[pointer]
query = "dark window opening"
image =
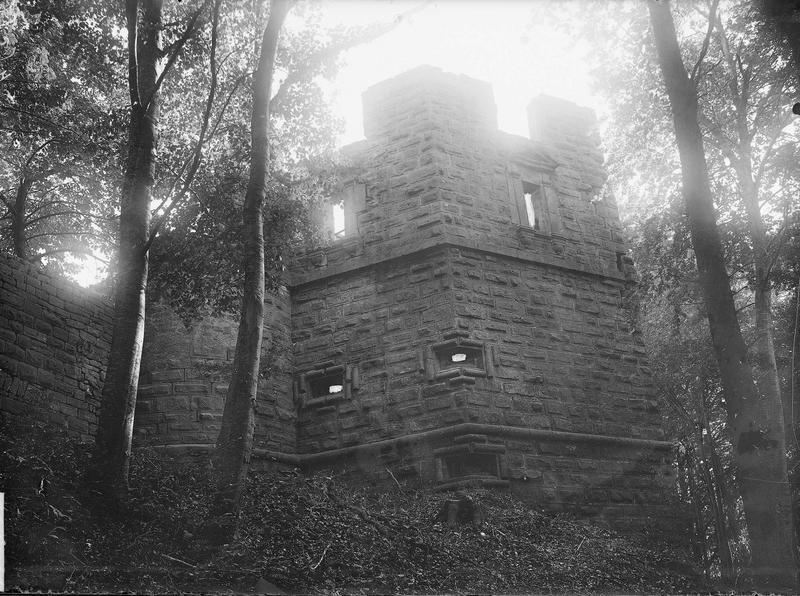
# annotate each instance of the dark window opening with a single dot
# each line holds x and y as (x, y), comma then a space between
(471, 464)
(329, 384)
(458, 360)
(458, 356)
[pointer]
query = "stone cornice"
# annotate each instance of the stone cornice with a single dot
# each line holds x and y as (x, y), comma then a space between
(364, 261)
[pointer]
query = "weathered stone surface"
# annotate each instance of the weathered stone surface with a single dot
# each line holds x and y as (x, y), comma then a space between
(55, 336)
(441, 249)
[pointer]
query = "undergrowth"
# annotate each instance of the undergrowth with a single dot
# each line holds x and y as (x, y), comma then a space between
(315, 534)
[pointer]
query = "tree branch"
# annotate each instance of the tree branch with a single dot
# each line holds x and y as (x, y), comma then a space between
(706, 42)
(770, 150)
(198, 150)
(132, 16)
(76, 250)
(33, 155)
(42, 118)
(177, 47)
(70, 233)
(30, 222)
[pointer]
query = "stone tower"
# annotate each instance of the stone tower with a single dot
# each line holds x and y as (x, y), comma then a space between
(468, 321)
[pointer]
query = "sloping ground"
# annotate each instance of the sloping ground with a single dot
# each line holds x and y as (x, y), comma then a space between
(307, 535)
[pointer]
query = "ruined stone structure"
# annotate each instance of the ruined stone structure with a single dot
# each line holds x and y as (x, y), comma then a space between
(54, 342)
(468, 323)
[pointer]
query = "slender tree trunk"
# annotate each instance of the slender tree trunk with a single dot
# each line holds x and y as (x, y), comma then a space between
(718, 511)
(235, 442)
(721, 480)
(763, 350)
(118, 400)
(758, 454)
(18, 217)
(699, 544)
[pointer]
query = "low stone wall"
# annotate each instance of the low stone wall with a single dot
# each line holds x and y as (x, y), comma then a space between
(54, 341)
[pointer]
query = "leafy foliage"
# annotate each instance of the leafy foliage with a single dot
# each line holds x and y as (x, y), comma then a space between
(744, 84)
(60, 116)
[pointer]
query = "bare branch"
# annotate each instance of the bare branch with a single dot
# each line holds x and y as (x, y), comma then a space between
(177, 47)
(706, 42)
(198, 150)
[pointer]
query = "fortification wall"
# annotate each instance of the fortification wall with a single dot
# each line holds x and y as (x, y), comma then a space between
(185, 375)
(54, 341)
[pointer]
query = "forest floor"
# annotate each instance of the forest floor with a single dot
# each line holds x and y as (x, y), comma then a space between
(300, 534)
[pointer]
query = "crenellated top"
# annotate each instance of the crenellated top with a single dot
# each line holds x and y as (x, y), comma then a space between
(426, 99)
(435, 170)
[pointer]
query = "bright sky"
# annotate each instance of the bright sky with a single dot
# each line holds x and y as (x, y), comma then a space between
(503, 42)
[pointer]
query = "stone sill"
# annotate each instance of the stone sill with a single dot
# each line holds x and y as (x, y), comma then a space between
(472, 480)
(470, 448)
(323, 400)
(462, 374)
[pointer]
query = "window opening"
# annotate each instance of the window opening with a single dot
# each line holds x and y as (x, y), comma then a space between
(471, 464)
(329, 384)
(338, 220)
(532, 196)
(620, 261)
(448, 356)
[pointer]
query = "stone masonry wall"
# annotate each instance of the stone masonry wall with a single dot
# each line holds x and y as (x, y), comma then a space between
(436, 169)
(185, 373)
(378, 319)
(566, 358)
(54, 341)
(443, 255)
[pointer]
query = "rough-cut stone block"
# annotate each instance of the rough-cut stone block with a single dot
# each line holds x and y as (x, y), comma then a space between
(166, 376)
(155, 389)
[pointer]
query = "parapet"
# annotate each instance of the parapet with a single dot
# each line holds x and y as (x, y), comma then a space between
(427, 97)
(568, 132)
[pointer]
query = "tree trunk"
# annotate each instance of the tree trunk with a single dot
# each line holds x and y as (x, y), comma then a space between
(718, 511)
(699, 544)
(758, 454)
(118, 400)
(235, 442)
(765, 367)
(18, 217)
